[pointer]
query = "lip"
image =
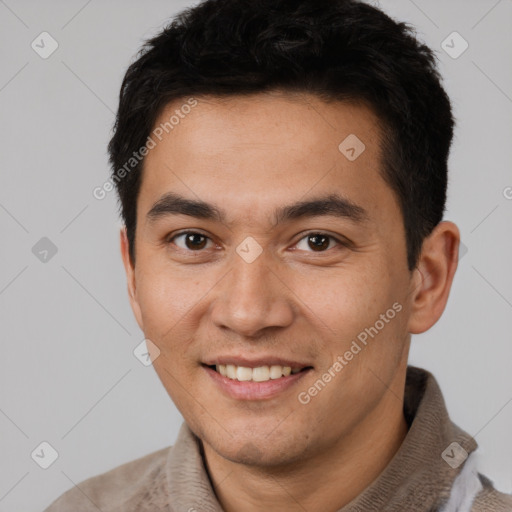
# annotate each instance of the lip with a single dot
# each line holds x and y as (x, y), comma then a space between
(249, 390)
(255, 362)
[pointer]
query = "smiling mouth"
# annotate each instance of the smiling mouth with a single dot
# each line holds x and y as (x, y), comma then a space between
(258, 374)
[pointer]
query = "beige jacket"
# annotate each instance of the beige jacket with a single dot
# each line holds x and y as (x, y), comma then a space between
(419, 478)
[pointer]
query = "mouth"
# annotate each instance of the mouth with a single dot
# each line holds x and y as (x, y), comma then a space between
(256, 383)
(263, 373)
(257, 374)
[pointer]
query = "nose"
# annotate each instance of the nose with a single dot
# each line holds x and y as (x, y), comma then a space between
(252, 299)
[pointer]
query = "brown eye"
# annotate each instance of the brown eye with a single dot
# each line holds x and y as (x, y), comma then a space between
(191, 241)
(195, 241)
(318, 242)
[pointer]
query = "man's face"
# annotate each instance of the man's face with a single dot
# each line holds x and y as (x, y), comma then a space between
(204, 293)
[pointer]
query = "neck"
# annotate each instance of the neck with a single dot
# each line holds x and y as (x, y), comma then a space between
(328, 481)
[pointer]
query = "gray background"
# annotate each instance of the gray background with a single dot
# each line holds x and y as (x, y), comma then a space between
(68, 375)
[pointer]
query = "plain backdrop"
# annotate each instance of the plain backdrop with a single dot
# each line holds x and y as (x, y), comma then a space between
(68, 375)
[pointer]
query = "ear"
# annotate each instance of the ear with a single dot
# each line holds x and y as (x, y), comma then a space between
(433, 276)
(130, 277)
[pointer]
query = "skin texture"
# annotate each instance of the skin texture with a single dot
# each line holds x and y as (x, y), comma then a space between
(248, 156)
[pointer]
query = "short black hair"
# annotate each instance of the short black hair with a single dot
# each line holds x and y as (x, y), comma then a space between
(338, 50)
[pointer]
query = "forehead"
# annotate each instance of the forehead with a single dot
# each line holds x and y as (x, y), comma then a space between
(259, 151)
(258, 118)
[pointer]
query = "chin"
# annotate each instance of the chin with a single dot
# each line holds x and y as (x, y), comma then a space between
(259, 448)
(259, 454)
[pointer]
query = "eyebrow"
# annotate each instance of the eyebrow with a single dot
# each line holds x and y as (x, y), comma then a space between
(333, 204)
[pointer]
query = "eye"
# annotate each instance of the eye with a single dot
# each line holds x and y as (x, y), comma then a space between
(190, 240)
(318, 242)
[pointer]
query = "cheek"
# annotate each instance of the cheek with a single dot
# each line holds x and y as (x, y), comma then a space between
(157, 298)
(172, 302)
(345, 300)
(163, 299)
(346, 307)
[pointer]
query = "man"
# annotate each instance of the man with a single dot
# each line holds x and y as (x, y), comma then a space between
(282, 170)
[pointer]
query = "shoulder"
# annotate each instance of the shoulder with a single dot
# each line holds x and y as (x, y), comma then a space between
(131, 486)
(491, 500)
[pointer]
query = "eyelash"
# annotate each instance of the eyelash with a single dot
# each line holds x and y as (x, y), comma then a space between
(339, 242)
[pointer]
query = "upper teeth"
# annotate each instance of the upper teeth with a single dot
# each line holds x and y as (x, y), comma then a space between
(259, 374)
